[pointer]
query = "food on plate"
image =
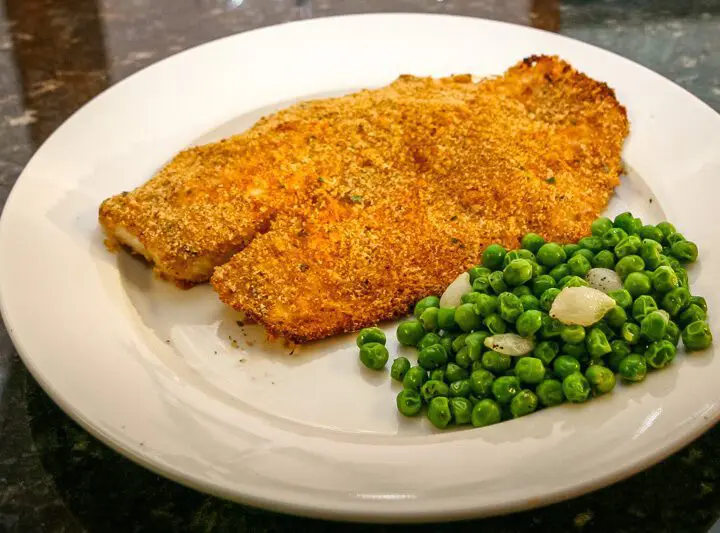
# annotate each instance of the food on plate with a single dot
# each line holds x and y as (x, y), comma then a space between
(421, 176)
(552, 338)
(334, 214)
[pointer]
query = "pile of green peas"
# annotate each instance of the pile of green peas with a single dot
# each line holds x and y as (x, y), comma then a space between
(462, 382)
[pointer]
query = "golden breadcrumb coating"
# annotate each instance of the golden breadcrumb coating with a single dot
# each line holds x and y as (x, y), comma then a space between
(342, 212)
(418, 178)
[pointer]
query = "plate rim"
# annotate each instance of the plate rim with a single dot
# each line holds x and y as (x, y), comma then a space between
(307, 509)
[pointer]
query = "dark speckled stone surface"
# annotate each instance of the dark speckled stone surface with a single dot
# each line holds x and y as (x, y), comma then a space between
(56, 55)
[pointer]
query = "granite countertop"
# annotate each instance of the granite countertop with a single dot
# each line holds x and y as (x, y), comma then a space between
(56, 55)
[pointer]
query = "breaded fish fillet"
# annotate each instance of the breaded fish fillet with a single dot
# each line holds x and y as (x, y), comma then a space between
(462, 165)
(376, 199)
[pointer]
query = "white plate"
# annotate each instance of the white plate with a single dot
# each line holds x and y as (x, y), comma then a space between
(154, 372)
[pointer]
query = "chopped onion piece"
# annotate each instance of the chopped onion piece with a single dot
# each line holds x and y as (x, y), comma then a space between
(604, 279)
(510, 344)
(451, 296)
(581, 305)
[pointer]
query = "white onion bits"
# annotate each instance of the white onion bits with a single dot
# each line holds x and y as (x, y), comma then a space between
(581, 306)
(510, 344)
(453, 293)
(604, 279)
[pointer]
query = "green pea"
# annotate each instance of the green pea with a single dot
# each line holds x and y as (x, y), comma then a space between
(675, 300)
(564, 365)
(475, 343)
(627, 222)
(432, 357)
(546, 351)
(601, 379)
(630, 245)
(463, 359)
(685, 251)
(460, 387)
(446, 342)
(497, 282)
(654, 325)
(583, 252)
(559, 272)
(579, 265)
(495, 324)
(530, 370)
(622, 298)
(700, 302)
(674, 237)
(596, 343)
(429, 319)
(532, 242)
(551, 254)
(485, 413)
(570, 249)
(524, 403)
(573, 334)
(630, 332)
(470, 298)
(482, 282)
(429, 339)
(612, 237)
(697, 336)
(550, 392)
(548, 297)
(551, 327)
(409, 402)
(576, 388)
(439, 412)
(518, 254)
(466, 318)
(692, 313)
(578, 351)
(373, 355)
(665, 279)
(496, 362)
(517, 272)
(572, 281)
(433, 388)
(672, 262)
(399, 368)
(528, 323)
(542, 283)
(637, 284)
(510, 307)
(633, 368)
(414, 378)
(594, 243)
(629, 264)
(642, 306)
(601, 226)
(493, 256)
(485, 305)
(666, 229)
(459, 342)
(446, 318)
(370, 335)
(649, 231)
(461, 410)
(428, 301)
(672, 333)
(530, 303)
(505, 388)
(683, 277)
(604, 259)
(454, 372)
(438, 375)
(659, 354)
(477, 271)
(651, 253)
(521, 290)
(616, 317)
(481, 382)
(620, 349)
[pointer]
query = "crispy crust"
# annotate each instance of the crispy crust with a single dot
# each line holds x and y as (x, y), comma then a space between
(417, 178)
